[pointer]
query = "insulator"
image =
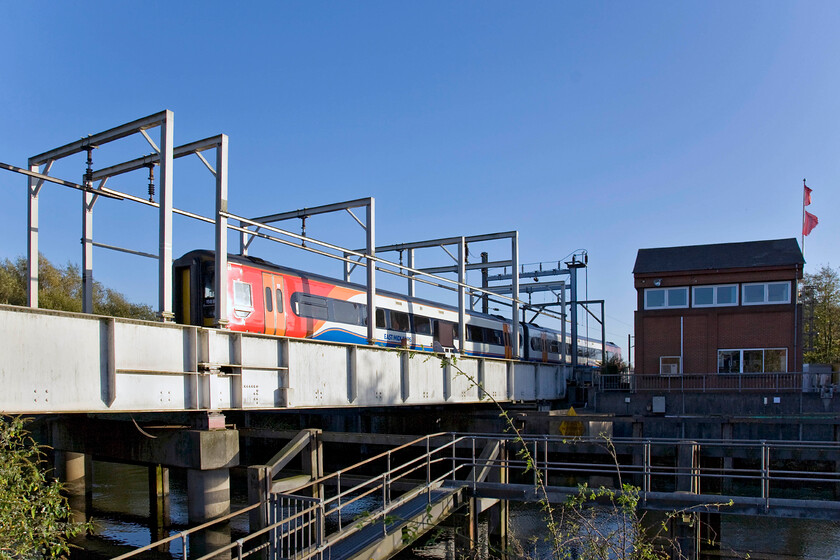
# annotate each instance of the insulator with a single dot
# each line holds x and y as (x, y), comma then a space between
(151, 183)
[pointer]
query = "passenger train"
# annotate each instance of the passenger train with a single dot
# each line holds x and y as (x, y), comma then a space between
(270, 299)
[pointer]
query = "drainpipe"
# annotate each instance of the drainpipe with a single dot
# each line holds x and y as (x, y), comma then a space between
(681, 345)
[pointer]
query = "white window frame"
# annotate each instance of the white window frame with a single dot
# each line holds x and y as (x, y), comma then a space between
(766, 286)
(714, 303)
(678, 364)
(240, 310)
(665, 290)
(763, 359)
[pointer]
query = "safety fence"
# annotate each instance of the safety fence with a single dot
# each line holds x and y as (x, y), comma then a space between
(716, 382)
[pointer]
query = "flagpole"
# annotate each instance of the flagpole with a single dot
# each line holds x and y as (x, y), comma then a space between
(804, 186)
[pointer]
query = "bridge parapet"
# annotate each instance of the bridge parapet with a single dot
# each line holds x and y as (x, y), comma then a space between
(72, 362)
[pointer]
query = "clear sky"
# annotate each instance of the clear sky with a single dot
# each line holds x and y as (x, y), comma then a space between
(607, 126)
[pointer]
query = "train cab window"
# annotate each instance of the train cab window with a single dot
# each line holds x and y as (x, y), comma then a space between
(311, 307)
(380, 318)
(209, 281)
(536, 343)
(399, 321)
(422, 325)
(268, 298)
(279, 300)
(242, 295)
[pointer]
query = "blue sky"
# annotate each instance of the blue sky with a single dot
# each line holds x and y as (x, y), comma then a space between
(607, 126)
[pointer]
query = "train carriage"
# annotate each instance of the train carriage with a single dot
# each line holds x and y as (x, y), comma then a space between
(269, 299)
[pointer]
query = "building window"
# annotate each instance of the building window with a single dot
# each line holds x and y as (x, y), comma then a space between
(765, 293)
(670, 365)
(752, 360)
(714, 296)
(662, 298)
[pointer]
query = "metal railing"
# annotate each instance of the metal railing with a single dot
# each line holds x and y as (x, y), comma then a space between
(762, 474)
(297, 530)
(709, 382)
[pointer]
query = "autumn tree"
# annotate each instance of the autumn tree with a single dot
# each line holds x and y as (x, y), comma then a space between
(61, 288)
(821, 304)
(35, 518)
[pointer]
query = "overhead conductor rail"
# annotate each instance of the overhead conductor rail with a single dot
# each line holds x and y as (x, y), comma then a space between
(165, 152)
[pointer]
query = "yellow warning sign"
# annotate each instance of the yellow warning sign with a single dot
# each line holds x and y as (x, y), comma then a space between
(572, 428)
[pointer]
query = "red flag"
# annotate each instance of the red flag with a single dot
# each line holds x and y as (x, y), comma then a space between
(809, 224)
(807, 196)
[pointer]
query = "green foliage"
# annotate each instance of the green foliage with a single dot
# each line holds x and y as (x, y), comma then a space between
(614, 365)
(61, 289)
(821, 305)
(35, 518)
(593, 524)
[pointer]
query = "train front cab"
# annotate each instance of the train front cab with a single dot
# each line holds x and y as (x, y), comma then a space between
(193, 290)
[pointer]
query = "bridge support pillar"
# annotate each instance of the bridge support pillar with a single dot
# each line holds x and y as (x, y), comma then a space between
(709, 532)
(688, 467)
(726, 433)
(638, 453)
(499, 514)
(208, 494)
(75, 471)
(466, 529)
(159, 500)
(685, 529)
(259, 479)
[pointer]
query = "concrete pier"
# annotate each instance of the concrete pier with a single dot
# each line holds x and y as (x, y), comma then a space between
(206, 454)
(208, 494)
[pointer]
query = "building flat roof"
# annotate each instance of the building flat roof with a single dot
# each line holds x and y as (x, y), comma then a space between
(748, 254)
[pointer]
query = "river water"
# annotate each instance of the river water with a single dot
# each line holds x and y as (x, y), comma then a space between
(120, 509)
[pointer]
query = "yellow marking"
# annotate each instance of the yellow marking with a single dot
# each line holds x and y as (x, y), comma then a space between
(572, 428)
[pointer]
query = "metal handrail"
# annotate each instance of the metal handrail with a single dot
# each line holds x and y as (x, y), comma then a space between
(706, 382)
(765, 474)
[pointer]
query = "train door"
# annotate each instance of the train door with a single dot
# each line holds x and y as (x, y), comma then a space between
(275, 317)
(444, 333)
(544, 337)
(506, 336)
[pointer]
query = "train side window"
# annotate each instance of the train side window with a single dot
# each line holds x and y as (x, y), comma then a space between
(380, 318)
(399, 321)
(268, 298)
(279, 300)
(345, 312)
(475, 333)
(496, 337)
(422, 325)
(309, 306)
(554, 347)
(536, 343)
(242, 295)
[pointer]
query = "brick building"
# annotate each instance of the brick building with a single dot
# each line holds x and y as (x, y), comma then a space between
(723, 308)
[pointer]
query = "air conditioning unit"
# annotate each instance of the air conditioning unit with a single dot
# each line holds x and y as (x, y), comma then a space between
(668, 369)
